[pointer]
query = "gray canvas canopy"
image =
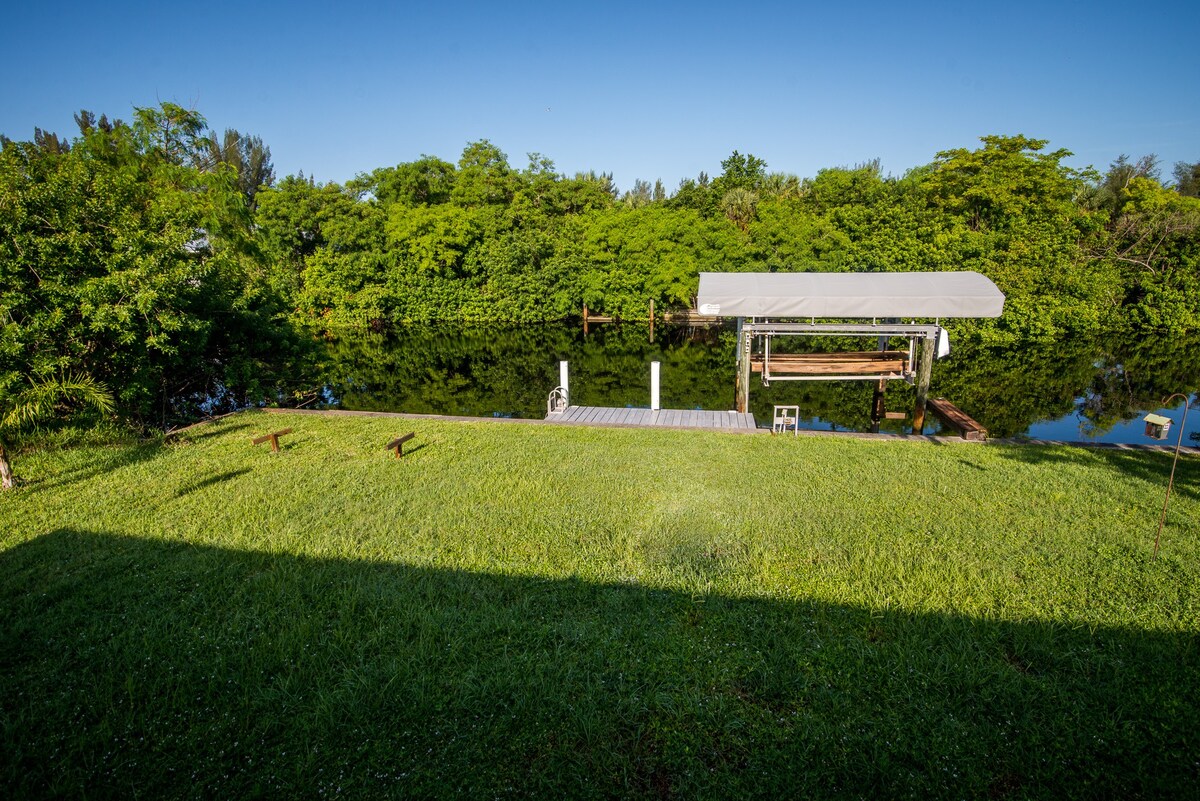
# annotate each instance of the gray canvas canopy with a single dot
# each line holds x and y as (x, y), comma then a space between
(849, 295)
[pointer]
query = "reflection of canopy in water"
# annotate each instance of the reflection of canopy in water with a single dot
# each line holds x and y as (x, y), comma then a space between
(849, 295)
(754, 297)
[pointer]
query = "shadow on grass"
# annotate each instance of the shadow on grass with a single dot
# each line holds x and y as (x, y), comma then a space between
(137, 667)
(1151, 466)
(113, 459)
(210, 481)
(215, 428)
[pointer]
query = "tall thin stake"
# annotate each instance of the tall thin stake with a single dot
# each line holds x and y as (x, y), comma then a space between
(1170, 483)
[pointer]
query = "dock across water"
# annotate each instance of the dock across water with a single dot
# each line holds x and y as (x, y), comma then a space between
(654, 418)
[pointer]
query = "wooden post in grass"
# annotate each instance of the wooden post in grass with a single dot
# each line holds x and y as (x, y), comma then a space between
(397, 444)
(272, 438)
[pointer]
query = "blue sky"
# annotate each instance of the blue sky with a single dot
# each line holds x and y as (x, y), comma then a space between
(642, 90)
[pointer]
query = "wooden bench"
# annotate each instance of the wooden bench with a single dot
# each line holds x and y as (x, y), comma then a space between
(397, 444)
(272, 438)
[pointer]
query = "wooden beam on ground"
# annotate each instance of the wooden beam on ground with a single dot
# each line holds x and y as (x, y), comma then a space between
(957, 419)
(272, 438)
(397, 444)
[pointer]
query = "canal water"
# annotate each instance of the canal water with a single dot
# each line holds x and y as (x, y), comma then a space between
(1081, 391)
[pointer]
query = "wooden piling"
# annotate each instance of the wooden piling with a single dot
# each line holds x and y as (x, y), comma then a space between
(924, 373)
(743, 367)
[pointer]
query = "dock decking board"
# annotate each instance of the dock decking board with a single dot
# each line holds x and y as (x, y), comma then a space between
(662, 418)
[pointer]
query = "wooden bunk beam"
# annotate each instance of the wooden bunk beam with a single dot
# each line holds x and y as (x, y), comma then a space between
(886, 364)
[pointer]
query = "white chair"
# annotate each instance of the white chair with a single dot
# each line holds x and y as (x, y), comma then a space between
(785, 417)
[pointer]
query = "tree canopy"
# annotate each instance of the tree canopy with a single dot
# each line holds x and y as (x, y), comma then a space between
(479, 240)
(130, 257)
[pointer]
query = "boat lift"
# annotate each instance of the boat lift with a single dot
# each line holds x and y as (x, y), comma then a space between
(848, 300)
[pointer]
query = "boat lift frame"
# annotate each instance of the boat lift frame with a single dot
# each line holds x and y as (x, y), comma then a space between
(918, 374)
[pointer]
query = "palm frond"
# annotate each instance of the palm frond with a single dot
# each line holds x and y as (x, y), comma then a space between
(42, 399)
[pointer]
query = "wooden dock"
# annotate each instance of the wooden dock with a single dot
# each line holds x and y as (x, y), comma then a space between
(691, 317)
(648, 418)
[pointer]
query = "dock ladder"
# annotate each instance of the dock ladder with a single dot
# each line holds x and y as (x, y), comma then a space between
(556, 402)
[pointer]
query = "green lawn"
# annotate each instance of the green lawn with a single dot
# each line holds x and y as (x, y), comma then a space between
(522, 610)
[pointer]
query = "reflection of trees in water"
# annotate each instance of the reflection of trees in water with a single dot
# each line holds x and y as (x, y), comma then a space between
(471, 370)
(1106, 383)
(1135, 376)
(1009, 390)
(446, 369)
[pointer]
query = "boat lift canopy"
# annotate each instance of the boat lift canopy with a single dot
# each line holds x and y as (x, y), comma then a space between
(849, 295)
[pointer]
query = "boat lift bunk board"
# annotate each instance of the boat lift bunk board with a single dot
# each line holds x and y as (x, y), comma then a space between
(767, 305)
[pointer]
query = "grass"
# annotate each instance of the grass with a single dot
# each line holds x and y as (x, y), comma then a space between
(517, 610)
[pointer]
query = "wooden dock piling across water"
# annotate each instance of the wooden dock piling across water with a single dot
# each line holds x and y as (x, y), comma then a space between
(654, 418)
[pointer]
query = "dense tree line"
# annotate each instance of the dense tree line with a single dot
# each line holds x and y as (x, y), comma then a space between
(130, 264)
(161, 261)
(479, 240)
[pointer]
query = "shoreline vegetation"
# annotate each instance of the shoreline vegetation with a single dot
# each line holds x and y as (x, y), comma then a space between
(516, 610)
(165, 261)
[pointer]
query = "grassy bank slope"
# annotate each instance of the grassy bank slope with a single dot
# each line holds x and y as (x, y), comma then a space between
(533, 610)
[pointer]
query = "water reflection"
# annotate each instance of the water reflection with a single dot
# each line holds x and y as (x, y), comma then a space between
(1081, 390)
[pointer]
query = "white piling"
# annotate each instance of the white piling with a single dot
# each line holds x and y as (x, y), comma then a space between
(654, 386)
(562, 380)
